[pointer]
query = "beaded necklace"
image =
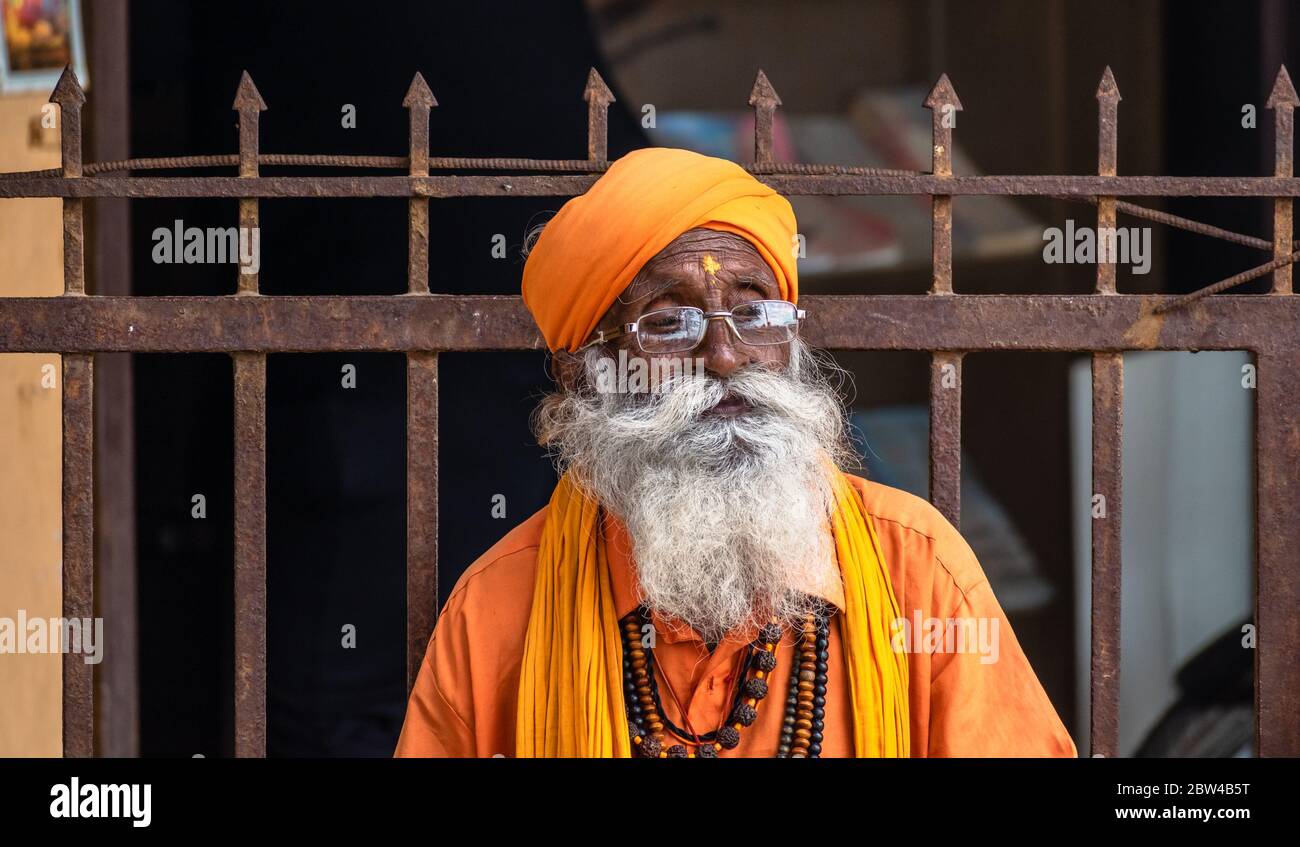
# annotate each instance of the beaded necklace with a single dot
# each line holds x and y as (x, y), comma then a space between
(805, 709)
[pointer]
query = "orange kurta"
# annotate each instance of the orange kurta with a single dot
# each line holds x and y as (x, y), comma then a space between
(464, 700)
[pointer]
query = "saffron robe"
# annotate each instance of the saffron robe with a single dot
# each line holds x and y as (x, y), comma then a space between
(464, 701)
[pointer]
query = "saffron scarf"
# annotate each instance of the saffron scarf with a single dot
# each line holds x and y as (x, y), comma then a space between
(571, 680)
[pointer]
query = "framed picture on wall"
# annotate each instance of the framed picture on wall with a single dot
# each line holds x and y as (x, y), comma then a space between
(40, 38)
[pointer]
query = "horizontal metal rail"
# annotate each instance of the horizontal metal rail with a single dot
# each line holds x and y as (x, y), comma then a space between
(440, 322)
(562, 185)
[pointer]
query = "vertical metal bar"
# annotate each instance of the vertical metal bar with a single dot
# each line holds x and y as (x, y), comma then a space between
(249, 104)
(250, 473)
(941, 244)
(1107, 486)
(1282, 101)
(945, 367)
(1107, 458)
(944, 106)
(945, 435)
(1270, 51)
(421, 408)
(1277, 538)
(421, 506)
(250, 554)
(78, 548)
(764, 99)
(1107, 158)
(70, 98)
(74, 247)
(417, 245)
(418, 102)
(78, 446)
(598, 97)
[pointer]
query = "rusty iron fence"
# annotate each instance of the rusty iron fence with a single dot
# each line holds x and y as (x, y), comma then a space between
(249, 326)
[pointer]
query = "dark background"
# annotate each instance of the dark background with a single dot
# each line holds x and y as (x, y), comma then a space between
(508, 78)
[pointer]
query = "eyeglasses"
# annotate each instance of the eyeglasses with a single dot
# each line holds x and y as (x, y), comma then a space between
(758, 323)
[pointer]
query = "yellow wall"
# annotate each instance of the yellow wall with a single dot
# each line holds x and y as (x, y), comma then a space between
(31, 264)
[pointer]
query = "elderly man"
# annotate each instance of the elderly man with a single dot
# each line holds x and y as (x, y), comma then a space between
(705, 580)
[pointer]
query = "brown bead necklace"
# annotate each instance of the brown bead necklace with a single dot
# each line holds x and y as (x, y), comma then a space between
(804, 721)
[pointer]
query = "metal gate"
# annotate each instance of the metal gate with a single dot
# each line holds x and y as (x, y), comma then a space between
(248, 326)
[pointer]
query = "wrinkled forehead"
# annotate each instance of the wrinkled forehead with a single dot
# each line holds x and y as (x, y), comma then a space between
(724, 254)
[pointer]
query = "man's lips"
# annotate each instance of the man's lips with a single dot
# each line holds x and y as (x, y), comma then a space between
(730, 406)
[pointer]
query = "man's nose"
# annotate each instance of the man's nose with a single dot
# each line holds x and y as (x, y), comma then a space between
(719, 350)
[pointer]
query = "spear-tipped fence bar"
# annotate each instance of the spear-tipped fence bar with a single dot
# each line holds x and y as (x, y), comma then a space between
(249, 326)
(1107, 462)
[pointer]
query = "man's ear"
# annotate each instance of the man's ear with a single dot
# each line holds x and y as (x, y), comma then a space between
(566, 369)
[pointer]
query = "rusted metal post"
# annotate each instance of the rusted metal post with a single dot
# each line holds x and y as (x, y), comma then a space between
(1107, 459)
(944, 106)
(1277, 538)
(249, 104)
(1107, 487)
(945, 367)
(1282, 101)
(421, 506)
(945, 434)
(250, 554)
(419, 101)
(70, 98)
(78, 548)
(421, 411)
(78, 445)
(250, 473)
(598, 97)
(764, 99)
(1107, 155)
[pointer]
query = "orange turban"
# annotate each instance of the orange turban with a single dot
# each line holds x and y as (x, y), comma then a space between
(593, 249)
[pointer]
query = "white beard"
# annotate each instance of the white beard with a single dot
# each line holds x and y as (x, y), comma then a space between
(728, 515)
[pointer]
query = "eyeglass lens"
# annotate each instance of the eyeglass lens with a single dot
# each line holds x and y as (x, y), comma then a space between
(681, 328)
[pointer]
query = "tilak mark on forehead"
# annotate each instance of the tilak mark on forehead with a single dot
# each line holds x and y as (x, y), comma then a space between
(711, 267)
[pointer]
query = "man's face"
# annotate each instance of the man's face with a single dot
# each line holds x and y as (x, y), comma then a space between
(726, 502)
(712, 271)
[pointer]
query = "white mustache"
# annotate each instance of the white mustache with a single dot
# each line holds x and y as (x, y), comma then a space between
(682, 404)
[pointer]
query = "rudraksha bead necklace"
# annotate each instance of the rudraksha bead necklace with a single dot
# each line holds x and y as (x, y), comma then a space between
(805, 712)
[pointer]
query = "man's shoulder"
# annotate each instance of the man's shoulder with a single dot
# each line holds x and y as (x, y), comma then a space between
(507, 567)
(914, 519)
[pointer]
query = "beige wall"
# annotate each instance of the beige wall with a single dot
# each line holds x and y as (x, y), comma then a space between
(30, 569)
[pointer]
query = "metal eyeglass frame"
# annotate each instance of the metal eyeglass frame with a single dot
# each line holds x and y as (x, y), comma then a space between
(720, 314)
